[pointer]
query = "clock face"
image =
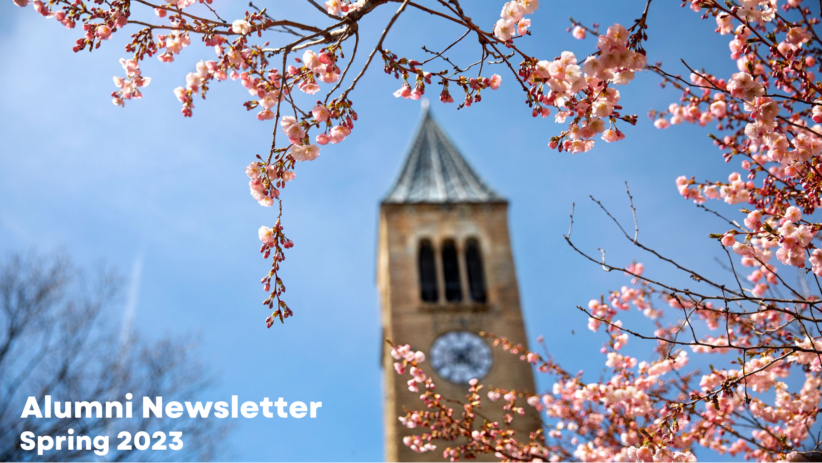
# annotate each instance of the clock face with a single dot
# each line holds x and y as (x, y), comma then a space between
(459, 356)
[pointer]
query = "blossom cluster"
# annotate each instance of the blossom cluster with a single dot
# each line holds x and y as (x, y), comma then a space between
(647, 410)
(512, 21)
(343, 7)
(580, 92)
(129, 86)
(583, 93)
(405, 68)
(274, 240)
(772, 123)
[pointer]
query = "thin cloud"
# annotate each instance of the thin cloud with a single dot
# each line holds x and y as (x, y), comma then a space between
(132, 299)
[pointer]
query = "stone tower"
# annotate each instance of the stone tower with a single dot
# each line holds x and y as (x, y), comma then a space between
(445, 272)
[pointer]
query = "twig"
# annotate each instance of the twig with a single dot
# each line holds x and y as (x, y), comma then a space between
(376, 48)
(633, 210)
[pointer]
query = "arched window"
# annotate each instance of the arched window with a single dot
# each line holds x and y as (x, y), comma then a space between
(428, 272)
(476, 275)
(451, 271)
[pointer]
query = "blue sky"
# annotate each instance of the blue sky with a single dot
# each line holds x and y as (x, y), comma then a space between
(165, 199)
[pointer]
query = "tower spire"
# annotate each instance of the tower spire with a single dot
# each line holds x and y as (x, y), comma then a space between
(445, 272)
(436, 172)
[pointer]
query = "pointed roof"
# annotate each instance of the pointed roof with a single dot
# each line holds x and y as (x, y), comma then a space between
(436, 172)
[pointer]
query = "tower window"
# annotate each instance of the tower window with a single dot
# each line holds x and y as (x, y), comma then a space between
(476, 276)
(451, 271)
(428, 272)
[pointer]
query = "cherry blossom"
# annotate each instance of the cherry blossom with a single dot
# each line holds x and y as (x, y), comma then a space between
(241, 27)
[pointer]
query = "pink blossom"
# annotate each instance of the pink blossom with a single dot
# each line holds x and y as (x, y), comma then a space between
(293, 130)
(338, 134)
(265, 115)
(241, 27)
(511, 11)
(269, 100)
(404, 91)
(333, 7)
(759, 290)
(253, 170)
(528, 6)
(523, 25)
(267, 236)
(504, 29)
(495, 82)
(618, 35)
(132, 67)
(41, 8)
(816, 262)
(661, 123)
(326, 58)
(309, 86)
(791, 255)
(305, 152)
(645, 454)
(754, 220)
(793, 214)
(103, 32)
(193, 81)
(611, 135)
(797, 35)
(578, 33)
(743, 85)
(399, 367)
(330, 75)
(718, 108)
(180, 93)
(723, 24)
(203, 68)
(310, 60)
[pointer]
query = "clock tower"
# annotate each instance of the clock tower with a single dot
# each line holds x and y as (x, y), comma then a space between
(445, 272)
